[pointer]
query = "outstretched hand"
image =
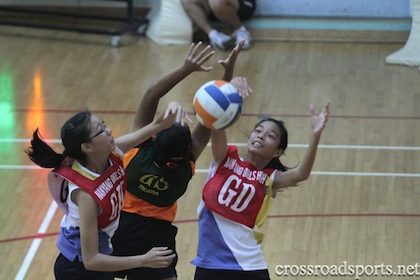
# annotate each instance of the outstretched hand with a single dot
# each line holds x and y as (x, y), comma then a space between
(158, 257)
(175, 112)
(194, 61)
(241, 85)
(229, 62)
(318, 121)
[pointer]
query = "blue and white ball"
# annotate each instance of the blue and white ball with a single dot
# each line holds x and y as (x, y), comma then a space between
(217, 104)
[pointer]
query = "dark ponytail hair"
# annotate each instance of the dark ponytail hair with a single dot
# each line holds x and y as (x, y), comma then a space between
(275, 162)
(74, 132)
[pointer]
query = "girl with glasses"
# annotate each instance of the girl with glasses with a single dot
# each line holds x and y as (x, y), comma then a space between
(88, 182)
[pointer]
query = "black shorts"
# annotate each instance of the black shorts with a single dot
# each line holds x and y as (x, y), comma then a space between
(137, 235)
(212, 274)
(245, 12)
(65, 269)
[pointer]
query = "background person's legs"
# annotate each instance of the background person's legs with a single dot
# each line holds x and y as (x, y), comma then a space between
(199, 11)
(409, 54)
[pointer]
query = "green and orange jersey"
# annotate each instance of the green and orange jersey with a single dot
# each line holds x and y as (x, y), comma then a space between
(148, 193)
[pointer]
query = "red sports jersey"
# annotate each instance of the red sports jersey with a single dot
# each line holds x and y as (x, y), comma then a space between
(107, 190)
(237, 189)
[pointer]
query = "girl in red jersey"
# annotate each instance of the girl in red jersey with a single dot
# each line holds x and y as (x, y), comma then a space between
(236, 198)
(91, 193)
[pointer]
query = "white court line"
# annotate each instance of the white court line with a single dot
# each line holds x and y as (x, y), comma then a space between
(26, 140)
(21, 167)
(339, 173)
(334, 173)
(329, 173)
(36, 242)
(351, 147)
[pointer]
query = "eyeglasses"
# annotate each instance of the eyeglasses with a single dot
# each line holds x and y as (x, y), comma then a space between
(103, 128)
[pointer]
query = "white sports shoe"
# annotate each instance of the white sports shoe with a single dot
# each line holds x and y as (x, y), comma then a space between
(243, 35)
(221, 41)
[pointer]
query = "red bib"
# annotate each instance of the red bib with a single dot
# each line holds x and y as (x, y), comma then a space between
(237, 189)
(107, 190)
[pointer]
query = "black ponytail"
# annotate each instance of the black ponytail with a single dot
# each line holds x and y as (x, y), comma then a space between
(74, 133)
(42, 154)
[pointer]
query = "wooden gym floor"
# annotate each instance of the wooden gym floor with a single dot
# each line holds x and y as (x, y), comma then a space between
(359, 207)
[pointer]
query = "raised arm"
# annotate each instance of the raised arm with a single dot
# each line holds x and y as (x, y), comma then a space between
(148, 105)
(302, 172)
(174, 112)
(229, 63)
(218, 145)
(201, 134)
